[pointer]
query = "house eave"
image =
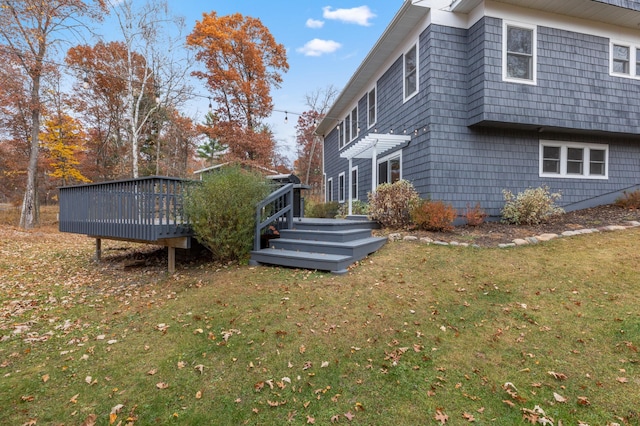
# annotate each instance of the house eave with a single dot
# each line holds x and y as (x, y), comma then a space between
(402, 24)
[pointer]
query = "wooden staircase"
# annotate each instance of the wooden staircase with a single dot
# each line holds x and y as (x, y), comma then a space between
(321, 244)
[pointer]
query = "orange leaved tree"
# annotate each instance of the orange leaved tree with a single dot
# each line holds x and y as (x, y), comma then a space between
(29, 29)
(243, 63)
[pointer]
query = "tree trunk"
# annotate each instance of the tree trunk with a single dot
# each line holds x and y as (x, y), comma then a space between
(30, 215)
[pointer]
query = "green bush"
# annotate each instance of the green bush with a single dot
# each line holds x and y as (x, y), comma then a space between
(357, 207)
(322, 210)
(391, 202)
(222, 211)
(531, 207)
(629, 200)
(433, 215)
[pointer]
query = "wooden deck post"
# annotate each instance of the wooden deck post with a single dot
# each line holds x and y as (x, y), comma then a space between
(172, 260)
(98, 249)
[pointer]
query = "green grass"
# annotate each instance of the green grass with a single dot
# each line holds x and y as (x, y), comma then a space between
(411, 330)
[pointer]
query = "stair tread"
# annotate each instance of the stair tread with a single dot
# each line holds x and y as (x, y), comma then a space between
(301, 254)
(321, 243)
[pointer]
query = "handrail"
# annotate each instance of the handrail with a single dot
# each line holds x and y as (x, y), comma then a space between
(278, 207)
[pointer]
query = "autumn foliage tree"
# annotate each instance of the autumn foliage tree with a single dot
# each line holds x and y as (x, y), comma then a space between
(63, 140)
(243, 63)
(30, 29)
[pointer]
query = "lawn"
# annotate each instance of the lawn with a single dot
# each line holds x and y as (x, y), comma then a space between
(415, 334)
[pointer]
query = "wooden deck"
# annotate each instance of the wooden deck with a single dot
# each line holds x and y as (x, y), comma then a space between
(146, 210)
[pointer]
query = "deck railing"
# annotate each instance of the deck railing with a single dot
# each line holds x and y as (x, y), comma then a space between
(144, 209)
(276, 210)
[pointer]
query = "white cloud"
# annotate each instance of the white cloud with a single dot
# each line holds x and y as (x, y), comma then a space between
(314, 23)
(317, 47)
(356, 15)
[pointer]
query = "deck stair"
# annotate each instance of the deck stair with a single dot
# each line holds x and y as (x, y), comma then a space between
(321, 244)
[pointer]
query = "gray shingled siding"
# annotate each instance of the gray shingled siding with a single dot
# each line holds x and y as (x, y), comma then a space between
(461, 80)
(573, 90)
(627, 4)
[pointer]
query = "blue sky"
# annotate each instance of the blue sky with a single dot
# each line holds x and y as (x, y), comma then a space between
(326, 41)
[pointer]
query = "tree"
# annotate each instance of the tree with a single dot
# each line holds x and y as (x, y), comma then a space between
(63, 140)
(30, 29)
(310, 150)
(99, 100)
(212, 148)
(243, 63)
(154, 77)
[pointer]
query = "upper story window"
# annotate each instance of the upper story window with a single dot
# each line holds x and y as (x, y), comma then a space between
(519, 53)
(349, 128)
(625, 60)
(411, 72)
(620, 62)
(371, 107)
(573, 160)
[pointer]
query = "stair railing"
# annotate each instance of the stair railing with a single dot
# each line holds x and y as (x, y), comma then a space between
(276, 210)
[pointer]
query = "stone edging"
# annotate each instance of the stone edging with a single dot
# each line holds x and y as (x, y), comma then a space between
(519, 241)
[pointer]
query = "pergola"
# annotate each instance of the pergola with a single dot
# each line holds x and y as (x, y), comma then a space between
(371, 146)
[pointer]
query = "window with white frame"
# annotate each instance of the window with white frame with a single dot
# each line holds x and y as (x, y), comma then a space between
(519, 45)
(390, 169)
(349, 128)
(573, 160)
(411, 72)
(354, 183)
(341, 188)
(371, 107)
(329, 196)
(625, 59)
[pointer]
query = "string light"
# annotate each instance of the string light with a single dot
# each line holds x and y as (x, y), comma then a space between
(86, 83)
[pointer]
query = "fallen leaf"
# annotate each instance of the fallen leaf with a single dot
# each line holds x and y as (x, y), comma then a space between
(162, 385)
(117, 408)
(622, 380)
(441, 417)
(88, 379)
(468, 417)
(74, 398)
(31, 422)
(583, 400)
(557, 376)
(181, 365)
(27, 398)
(198, 394)
(45, 378)
(90, 420)
(324, 364)
(335, 418)
(302, 349)
(509, 403)
(559, 398)
(311, 420)
(199, 368)
(152, 371)
(349, 416)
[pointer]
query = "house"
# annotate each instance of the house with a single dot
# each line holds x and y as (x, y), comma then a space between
(465, 98)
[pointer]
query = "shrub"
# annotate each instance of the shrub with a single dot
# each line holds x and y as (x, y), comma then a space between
(475, 215)
(327, 210)
(530, 207)
(357, 207)
(391, 202)
(629, 200)
(222, 211)
(433, 215)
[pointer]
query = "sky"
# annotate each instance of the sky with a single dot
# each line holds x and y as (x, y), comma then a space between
(326, 40)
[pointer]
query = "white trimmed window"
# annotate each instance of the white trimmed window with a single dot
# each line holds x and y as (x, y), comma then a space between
(341, 188)
(354, 183)
(625, 59)
(574, 160)
(519, 46)
(349, 128)
(329, 196)
(390, 168)
(371, 107)
(410, 62)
